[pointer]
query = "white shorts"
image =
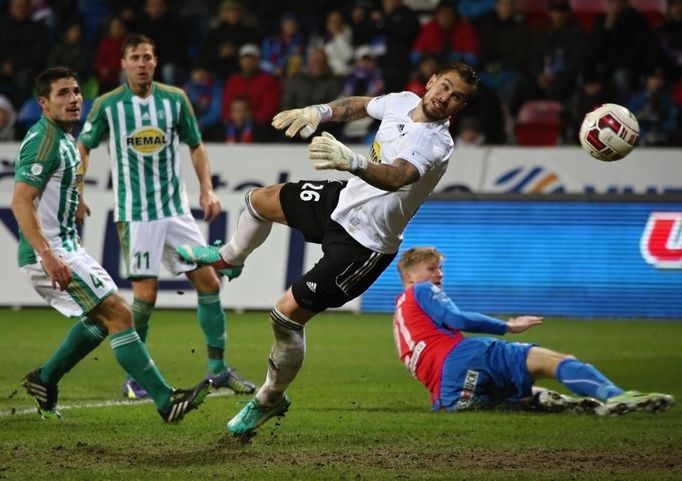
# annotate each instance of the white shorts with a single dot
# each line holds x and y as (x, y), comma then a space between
(88, 288)
(145, 244)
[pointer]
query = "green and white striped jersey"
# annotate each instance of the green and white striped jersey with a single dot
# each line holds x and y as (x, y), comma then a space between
(49, 161)
(144, 136)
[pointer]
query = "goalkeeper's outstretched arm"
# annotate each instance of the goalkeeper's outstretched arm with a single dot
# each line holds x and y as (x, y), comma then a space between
(307, 119)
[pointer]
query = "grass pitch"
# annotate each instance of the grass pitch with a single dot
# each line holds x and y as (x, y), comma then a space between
(356, 414)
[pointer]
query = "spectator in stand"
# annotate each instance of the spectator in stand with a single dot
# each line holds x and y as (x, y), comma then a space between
(206, 96)
(108, 57)
(618, 45)
(447, 37)
(337, 42)
(314, 85)
(92, 15)
(309, 13)
(263, 90)
(557, 53)
(240, 127)
(364, 29)
(365, 80)
(669, 40)
(23, 51)
(655, 111)
(504, 43)
(196, 17)
(220, 49)
(70, 52)
(399, 26)
(592, 91)
(469, 133)
(126, 10)
(428, 65)
(472, 10)
(283, 52)
(160, 23)
(8, 117)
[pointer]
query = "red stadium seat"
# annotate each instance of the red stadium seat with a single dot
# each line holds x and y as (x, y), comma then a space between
(534, 12)
(586, 11)
(653, 10)
(539, 123)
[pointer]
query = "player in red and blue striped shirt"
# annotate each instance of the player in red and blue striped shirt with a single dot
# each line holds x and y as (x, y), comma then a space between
(466, 372)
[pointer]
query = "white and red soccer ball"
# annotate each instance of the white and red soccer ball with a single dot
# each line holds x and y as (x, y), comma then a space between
(609, 132)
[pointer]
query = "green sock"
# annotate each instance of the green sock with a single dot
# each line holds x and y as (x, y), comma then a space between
(134, 358)
(142, 311)
(82, 339)
(212, 321)
(216, 363)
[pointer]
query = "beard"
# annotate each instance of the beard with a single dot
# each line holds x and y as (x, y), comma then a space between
(430, 115)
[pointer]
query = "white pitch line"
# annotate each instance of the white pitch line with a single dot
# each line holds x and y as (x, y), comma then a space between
(96, 405)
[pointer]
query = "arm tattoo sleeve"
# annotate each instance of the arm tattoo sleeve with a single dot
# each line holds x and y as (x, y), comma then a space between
(349, 108)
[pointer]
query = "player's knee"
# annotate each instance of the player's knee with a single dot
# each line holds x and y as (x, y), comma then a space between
(263, 202)
(293, 309)
(146, 290)
(204, 279)
(115, 314)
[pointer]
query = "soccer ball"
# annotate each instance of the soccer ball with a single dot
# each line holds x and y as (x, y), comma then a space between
(609, 132)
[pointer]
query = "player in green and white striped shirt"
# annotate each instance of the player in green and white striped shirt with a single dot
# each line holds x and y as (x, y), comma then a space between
(144, 122)
(48, 181)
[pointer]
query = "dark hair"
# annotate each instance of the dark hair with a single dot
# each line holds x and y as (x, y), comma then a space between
(46, 78)
(134, 40)
(466, 73)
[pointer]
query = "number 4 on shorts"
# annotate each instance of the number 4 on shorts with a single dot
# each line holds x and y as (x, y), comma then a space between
(96, 281)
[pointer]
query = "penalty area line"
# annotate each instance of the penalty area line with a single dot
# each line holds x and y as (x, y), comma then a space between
(96, 405)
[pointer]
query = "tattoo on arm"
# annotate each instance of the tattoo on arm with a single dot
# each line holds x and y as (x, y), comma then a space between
(349, 108)
(390, 177)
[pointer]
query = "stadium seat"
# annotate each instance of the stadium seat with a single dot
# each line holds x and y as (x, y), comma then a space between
(653, 10)
(534, 12)
(29, 113)
(539, 122)
(586, 11)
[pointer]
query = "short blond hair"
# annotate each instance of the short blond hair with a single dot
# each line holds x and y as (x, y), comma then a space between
(416, 255)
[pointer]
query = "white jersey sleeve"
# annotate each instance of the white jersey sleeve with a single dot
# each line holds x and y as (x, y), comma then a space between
(376, 106)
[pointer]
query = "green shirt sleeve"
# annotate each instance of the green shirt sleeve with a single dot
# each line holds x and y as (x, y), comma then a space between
(188, 128)
(96, 126)
(38, 158)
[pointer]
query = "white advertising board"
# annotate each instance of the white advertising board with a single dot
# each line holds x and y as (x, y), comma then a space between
(478, 170)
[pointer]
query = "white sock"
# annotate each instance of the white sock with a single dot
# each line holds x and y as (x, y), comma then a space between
(251, 232)
(286, 358)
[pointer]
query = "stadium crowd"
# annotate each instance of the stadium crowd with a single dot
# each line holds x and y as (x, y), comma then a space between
(241, 62)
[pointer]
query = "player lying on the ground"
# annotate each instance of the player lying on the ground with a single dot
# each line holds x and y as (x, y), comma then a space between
(48, 180)
(475, 372)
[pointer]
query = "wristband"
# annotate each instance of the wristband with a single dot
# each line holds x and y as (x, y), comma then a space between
(358, 164)
(325, 112)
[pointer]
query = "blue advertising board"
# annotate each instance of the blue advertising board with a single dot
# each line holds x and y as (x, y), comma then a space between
(550, 257)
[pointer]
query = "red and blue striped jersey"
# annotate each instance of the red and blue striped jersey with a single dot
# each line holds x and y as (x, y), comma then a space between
(427, 326)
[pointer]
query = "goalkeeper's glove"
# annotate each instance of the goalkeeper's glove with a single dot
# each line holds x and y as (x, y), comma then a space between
(335, 155)
(306, 119)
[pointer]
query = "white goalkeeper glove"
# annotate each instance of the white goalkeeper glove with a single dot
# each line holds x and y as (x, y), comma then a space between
(335, 155)
(306, 119)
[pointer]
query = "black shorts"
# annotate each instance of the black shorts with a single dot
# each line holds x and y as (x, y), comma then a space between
(347, 268)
